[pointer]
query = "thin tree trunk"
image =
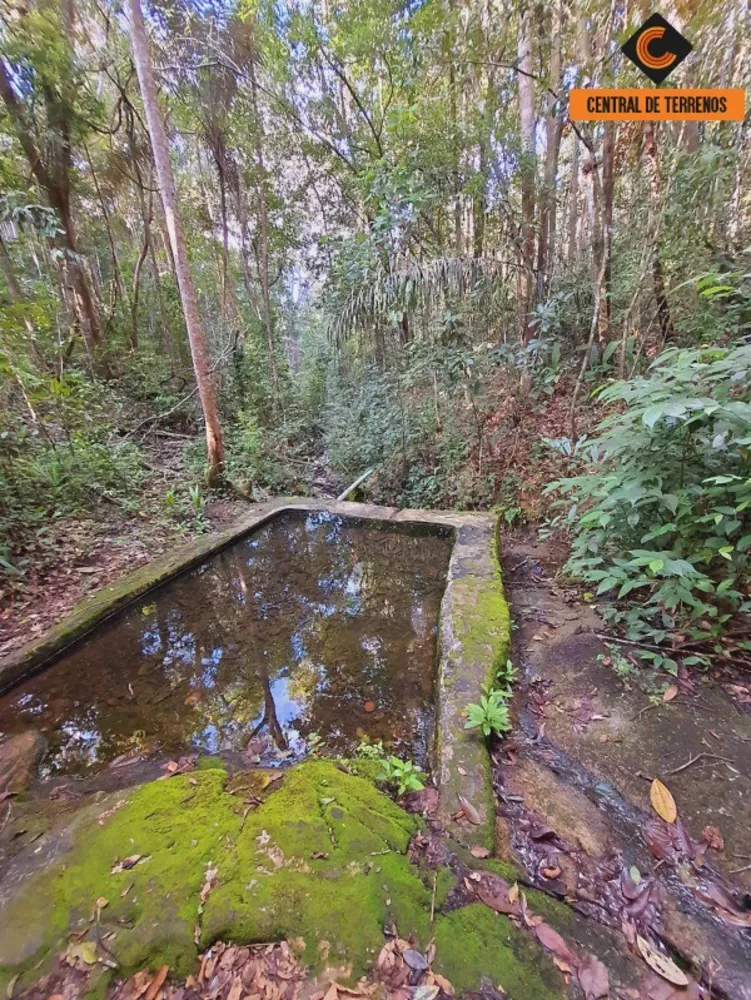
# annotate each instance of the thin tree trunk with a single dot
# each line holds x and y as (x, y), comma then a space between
(198, 346)
(137, 273)
(553, 131)
(606, 222)
(573, 206)
(107, 225)
(664, 318)
(527, 169)
(262, 257)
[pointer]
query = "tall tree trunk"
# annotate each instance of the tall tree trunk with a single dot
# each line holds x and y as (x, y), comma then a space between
(573, 204)
(198, 346)
(606, 235)
(553, 131)
(262, 256)
(527, 170)
(664, 319)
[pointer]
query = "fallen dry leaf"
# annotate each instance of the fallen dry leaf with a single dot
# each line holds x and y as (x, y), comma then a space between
(553, 941)
(660, 963)
(495, 892)
(156, 983)
(469, 811)
(416, 961)
(670, 692)
(444, 984)
(663, 802)
(126, 864)
(208, 885)
(236, 990)
(594, 978)
(479, 852)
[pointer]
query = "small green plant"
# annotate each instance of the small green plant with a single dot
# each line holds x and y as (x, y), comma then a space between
(403, 775)
(370, 751)
(315, 744)
(491, 715)
(505, 678)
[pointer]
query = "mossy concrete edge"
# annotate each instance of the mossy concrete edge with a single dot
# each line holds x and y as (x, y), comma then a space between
(122, 592)
(474, 641)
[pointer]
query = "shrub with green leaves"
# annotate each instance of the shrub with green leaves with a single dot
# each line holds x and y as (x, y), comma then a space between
(664, 511)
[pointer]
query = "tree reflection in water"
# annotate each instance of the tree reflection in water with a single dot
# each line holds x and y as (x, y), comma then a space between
(312, 624)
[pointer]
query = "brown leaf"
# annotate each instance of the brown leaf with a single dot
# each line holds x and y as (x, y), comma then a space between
(126, 864)
(670, 692)
(659, 839)
(660, 963)
(479, 852)
(469, 811)
(714, 838)
(563, 966)
(156, 983)
(553, 941)
(637, 907)
(542, 833)
(495, 892)
(444, 984)
(663, 802)
(593, 978)
(236, 990)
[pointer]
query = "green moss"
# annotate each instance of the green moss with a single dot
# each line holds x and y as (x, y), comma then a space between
(211, 764)
(486, 619)
(178, 827)
(476, 943)
(445, 882)
(324, 844)
(323, 859)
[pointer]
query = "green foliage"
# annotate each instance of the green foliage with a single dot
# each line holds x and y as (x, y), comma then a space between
(490, 716)
(666, 509)
(401, 775)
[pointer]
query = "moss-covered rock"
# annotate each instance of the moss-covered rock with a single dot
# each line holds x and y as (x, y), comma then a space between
(323, 859)
(475, 943)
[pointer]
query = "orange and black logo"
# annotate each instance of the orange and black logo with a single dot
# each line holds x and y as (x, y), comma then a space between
(657, 48)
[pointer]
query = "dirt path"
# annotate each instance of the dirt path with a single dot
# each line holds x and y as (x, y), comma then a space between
(573, 790)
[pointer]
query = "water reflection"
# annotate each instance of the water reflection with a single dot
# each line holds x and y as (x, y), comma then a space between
(314, 624)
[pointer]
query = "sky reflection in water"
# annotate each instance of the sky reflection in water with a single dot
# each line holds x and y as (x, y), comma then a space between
(313, 624)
